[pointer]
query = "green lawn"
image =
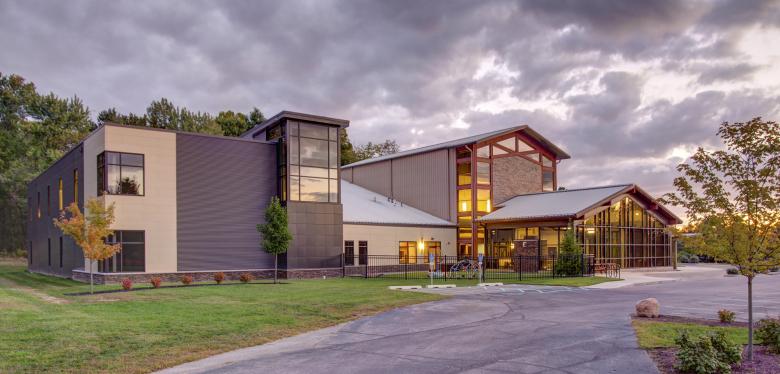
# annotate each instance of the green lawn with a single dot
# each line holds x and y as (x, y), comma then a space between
(148, 330)
(43, 330)
(662, 334)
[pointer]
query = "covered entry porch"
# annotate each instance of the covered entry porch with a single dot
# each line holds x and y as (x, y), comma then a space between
(620, 225)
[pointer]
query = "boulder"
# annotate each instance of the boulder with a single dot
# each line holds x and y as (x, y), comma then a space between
(649, 308)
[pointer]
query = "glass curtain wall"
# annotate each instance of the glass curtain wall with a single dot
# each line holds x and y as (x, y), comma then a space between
(627, 235)
(313, 162)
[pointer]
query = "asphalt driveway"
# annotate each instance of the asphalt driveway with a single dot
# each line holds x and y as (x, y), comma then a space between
(518, 329)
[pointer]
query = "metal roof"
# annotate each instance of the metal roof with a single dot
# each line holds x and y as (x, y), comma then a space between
(362, 206)
(559, 153)
(566, 204)
(552, 204)
(294, 115)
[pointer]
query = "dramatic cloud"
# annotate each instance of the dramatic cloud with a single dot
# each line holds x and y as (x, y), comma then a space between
(630, 89)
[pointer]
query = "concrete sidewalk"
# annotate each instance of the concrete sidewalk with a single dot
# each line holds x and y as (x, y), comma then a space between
(633, 278)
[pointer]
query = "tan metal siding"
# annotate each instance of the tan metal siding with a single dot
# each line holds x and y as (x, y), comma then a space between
(346, 174)
(422, 181)
(375, 177)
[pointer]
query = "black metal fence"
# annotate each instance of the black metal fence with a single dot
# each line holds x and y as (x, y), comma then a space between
(452, 267)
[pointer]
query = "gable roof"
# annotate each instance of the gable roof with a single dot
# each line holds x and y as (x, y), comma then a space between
(362, 206)
(559, 153)
(569, 204)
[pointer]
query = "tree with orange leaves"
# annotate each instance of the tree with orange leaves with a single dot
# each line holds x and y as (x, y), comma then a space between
(90, 231)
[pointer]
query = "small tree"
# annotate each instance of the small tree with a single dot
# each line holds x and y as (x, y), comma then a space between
(732, 197)
(276, 235)
(569, 261)
(89, 232)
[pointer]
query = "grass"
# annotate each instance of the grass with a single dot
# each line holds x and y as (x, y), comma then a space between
(543, 281)
(143, 331)
(652, 334)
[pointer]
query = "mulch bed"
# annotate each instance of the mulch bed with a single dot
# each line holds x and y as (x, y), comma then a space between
(87, 293)
(763, 361)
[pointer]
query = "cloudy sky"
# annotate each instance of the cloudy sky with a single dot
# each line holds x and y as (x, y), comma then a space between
(629, 89)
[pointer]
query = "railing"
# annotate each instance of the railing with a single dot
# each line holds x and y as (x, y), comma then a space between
(453, 267)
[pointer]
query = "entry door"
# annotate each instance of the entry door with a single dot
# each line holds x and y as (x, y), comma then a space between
(363, 252)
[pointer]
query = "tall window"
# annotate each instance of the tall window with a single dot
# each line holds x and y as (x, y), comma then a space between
(60, 252)
(120, 173)
(464, 173)
(59, 195)
(363, 252)
(407, 252)
(349, 252)
(48, 243)
(76, 186)
(48, 200)
(548, 183)
(132, 256)
(314, 162)
(38, 206)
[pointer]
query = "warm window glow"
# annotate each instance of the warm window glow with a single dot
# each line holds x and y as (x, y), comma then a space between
(464, 200)
(60, 195)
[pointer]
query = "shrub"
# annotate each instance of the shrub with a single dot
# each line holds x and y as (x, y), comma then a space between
(707, 354)
(155, 282)
(768, 334)
(219, 277)
(569, 261)
(732, 271)
(127, 284)
(246, 278)
(187, 279)
(726, 316)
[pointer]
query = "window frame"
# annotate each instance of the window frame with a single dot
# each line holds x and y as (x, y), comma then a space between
(362, 252)
(293, 180)
(104, 166)
(116, 261)
(349, 256)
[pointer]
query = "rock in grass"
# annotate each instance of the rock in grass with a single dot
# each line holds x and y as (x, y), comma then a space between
(649, 308)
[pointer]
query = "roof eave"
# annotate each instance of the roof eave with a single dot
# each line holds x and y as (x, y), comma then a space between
(343, 123)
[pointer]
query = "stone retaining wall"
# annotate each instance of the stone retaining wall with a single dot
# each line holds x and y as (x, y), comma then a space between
(205, 276)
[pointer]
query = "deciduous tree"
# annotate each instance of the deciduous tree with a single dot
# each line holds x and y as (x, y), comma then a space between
(733, 197)
(276, 234)
(90, 232)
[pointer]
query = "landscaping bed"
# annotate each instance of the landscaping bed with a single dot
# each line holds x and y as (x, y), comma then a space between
(657, 336)
(99, 292)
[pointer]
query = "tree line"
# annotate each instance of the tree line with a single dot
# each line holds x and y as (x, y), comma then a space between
(36, 129)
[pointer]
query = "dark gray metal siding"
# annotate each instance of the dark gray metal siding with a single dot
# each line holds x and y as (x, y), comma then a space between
(41, 230)
(223, 187)
(317, 235)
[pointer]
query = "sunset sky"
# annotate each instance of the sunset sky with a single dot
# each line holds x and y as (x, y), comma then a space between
(629, 89)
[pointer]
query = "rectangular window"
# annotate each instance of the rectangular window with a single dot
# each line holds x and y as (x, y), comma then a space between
(483, 201)
(131, 257)
(483, 173)
(120, 173)
(407, 252)
(38, 206)
(464, 200)
(548, 181)
(60, 252)
(29, 253)
(464, 173)
(29, 209)
(349, 252)
(60, 194)
(48, 241)
(76, 186)
(314, 161)
(48, 200)
(363, 252)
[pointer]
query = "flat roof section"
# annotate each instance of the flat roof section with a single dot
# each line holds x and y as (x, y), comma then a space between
(362, 206)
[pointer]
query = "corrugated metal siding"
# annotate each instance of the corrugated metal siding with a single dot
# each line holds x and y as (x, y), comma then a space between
(317, 235)
(422, 181)
(41, 229)
(223, 187)
(346, 174)
(375, 177)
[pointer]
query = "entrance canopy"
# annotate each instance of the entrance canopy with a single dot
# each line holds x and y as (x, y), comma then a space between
(575, 204)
